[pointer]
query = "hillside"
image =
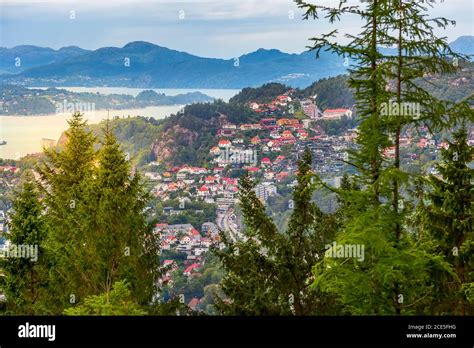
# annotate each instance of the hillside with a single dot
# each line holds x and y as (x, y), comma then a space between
(334, 93)
(186, 138)
(452, 87)
(135, 134)
(181, 138)
(261, 94)
(330, 92)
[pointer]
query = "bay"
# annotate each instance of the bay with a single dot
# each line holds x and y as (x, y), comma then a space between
(224, 94)
(24, 134)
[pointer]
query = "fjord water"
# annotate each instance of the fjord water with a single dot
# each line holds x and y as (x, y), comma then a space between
(224, 94)
(23, 134)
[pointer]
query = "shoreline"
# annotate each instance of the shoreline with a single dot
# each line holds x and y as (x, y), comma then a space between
(23, 134)
(131, 109)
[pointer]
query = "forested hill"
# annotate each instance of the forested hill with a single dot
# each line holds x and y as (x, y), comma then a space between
(452, 87)
(330, 92)
(185, 138)
(188, 136)
(334, 93)
(263, 94)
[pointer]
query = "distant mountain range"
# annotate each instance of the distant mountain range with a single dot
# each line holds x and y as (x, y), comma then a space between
(464, 45)
(145, 65)
(20, 58)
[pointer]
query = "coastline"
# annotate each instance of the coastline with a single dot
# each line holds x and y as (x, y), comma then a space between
(23, 134)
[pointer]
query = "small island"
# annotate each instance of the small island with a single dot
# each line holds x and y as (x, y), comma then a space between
(18, 100)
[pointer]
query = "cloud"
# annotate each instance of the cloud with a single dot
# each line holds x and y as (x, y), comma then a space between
(213, 28)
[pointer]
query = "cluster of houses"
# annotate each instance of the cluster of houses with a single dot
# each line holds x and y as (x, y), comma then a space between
(241, 147)
(308, 106)
(208, 185)
(425, 141)
(275, 105)
(9, 169)
(184, 238)
(267, 149)
(312, 111)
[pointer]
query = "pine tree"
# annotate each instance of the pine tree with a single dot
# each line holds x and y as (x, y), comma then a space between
(376, 222)
(309, 231)
(418, 52)
(93, 209)
(250, 282)
(123, 246)
(344, 195)
(23, 278)
(65, 174)
(448, 219)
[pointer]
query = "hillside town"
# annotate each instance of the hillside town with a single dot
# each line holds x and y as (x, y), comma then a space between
(268, 150)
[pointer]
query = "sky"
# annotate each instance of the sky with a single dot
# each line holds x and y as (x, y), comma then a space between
(209, 28)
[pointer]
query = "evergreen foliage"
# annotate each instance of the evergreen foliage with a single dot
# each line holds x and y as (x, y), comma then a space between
(447, 218)
(23, 278)
(88, 219)
(269, 272)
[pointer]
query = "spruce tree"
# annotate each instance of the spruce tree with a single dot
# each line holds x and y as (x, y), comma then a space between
(23, 278)
(418, 53)
(93, 209)
(448, 220)
(250, 281)
(65, 174)
(269, 272)
(123, 246)
(376, 222)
